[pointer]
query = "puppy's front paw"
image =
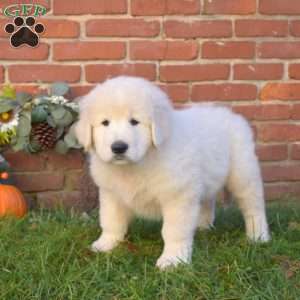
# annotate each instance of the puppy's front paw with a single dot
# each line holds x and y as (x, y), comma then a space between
(175, 256)
(105, 243)
(262, 236)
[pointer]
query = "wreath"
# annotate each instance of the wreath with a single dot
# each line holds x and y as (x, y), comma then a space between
(34, 123)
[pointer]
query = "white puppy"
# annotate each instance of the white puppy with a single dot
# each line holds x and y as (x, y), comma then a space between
(153, 161)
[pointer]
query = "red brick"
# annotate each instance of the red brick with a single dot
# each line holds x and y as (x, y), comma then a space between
(272, 152)
(228, 49)
(177, 73)
(279, 132)
(279, 7)
(255, 28)
(277, 190)
(39, 182)
(30, 89)
(21, 161)
(294, 71)
(122, 28)
(280, 91)
(176, 92)
(3, 22)
(5, 3)
(44, 73)
(163, 50)
(73, 180)
(223, 92)
(264, 112)
(7, 52)
(55, 28)
(1, 74)
(88, 50)
(164, 7)
(295, 28)
(80, 90)
(296, 112)
(258, 71)
(71, 160)
(195, 29)
(58, 200)
(281, 173)
(230, 7)
(81, 7)
(100, 72)
(295, 151)
(286, 50)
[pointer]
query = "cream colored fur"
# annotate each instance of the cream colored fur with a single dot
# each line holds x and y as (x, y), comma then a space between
(176, 164)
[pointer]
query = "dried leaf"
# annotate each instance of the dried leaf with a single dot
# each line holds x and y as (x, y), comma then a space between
(130, 246)
(294, 226)
(289, 266)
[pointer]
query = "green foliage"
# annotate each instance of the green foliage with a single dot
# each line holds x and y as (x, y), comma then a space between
(24, 127)
(7, 105)
(70, 140)
(39, 114)
(22, 98)
(4, 166)
(59, 89)
(8, 92)
(32, 147)
(61, 116)
(61, 147)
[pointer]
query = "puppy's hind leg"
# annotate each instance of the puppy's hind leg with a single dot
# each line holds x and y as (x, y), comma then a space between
(207, 213)
(245, 183)
(114, 220)
(249, 196)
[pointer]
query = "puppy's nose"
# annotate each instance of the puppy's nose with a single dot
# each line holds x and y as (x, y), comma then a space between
(119, 147)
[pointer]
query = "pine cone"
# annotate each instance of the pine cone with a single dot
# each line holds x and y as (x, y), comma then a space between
(44, 134)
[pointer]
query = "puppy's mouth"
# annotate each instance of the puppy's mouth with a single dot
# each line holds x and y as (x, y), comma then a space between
(120, 159)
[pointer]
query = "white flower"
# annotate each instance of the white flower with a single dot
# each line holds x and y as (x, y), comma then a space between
(36, 101)
(11, 124)
(58, 100)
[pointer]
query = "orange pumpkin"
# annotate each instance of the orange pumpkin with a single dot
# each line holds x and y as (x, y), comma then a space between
(12, 201)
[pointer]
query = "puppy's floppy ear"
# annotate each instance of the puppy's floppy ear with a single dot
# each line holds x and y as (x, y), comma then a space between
(83, 132)
(160, 126)
(83, 128)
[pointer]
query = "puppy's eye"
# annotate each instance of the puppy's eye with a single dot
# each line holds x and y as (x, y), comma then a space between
(105, 123)
(134, 122)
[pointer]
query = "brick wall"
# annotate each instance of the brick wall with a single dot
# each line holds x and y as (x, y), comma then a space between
(243, 53)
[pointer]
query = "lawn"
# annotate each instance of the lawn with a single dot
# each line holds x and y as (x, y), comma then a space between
(46, 256)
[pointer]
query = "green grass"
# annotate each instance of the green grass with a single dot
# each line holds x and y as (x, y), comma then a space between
(46, 256)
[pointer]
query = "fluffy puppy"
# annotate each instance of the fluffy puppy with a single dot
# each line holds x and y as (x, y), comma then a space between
(155, 162)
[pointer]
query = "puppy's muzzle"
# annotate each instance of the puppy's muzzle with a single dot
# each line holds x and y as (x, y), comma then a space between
(119, 147)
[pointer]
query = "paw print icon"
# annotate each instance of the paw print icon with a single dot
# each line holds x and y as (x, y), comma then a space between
(24, 31)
